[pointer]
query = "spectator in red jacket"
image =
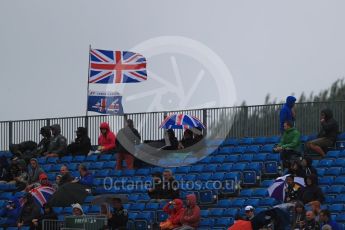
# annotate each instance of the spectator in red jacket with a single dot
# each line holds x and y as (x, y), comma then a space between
(106, 141)
(175, 211)
(191, 217)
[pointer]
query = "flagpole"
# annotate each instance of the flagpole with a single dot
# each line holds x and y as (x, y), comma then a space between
(88, 84)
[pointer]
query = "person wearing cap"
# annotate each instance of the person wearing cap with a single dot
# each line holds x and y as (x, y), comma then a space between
(29, 211)
(126, 140)
(34, 171)
(77, 210)
(249, 210)
(81, 144)
(58, 143)
(117, 220)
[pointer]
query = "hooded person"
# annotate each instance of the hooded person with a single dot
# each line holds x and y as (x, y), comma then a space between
(175, 211)
(77, 210)
(43, 145)
(327, 135)
(307, 167)
(107, 139)
(58, 143)
(126, 140)
(191, 218)
(287, 112)
(81, 144)
(311, 192)
(298, 216)
(10, 213)
(34, 171)
(4, 169)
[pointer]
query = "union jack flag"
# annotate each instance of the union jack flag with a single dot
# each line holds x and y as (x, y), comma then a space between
(42, 194)
(109, 67)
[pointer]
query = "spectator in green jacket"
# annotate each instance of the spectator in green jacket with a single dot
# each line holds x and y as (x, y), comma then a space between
(290, 143)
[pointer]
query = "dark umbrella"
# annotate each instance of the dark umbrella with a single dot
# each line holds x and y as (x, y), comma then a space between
(68, 194)
(278, 217)
(108, 198)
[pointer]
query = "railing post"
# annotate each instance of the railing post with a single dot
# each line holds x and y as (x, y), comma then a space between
(86, 123)
(245, 122)
(204, 119)
(125, 118)
(48, 122)
(10, 133)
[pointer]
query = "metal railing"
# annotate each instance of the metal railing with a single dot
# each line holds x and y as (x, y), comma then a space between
(88, 222)
(242, 121)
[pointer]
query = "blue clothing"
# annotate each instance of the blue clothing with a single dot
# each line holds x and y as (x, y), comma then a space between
(11, 215)
(333, 224)
(286, 112)
(86, 180)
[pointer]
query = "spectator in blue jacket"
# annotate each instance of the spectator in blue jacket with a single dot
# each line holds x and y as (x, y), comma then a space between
(10, 213)
(325, 218)
(86, 178)
(287, 112)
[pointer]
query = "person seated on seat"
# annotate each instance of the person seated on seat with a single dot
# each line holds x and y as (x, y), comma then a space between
(191, 216)
(170, 188)
(58, 143)
(10, 213)
(187, 140)
(175, 211)
(77, 210)
(295, 169)
(43, 145)
(292, 191)
(311, 223)
(85, 178)
(24, 150)
(48, 214)
(311, 192)
(156, 192)
(107, 139)
(327, 135)
(325, 219)
(289, 145)
(81, 144)
(126, 140)
(118, 218)
(65, 175)
(307, 167)
(34, 171)
(170, 139)
(249, 210)
(299, 216)
(29, 211)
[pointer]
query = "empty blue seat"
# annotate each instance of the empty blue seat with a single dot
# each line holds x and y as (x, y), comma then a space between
(342, 154)
(334, 171)
(246, 141)
(91, 158)
(340, 162)
(254, 166)
(336, 208)
(340, 218)
(260, 157)
(96, 165)
(238, 167)
(42, 160)
(109, 165)
(271, 168)
(203, 176)
(225, 150)
(230, 142)
(336, 189)
(231, 159)
(152, 206)
(219, 176)
(260, 192)
(190, 177)
(196, 169)
(224, 203)
(246, 158)
(339, 198)
(325, 163)
(94, 209)
(216, 212)
(58, 210)
(102, 173)
(223, 222)
(253, 149)
(239, 150)
(232, 176)
(78, 159)
(267, 148)
(266, 183)
(206, 160)
(273, 139)
(237, 202)
(231, 212)
(224, 167)
(246, 193)
(334, 154)
(105, 157)
(128, 172)
(144, 197)
(268, 202)
(249, 178)
(52, 160)
(67, 210)
(326, 180)
(304, 138)
(47, 168)
(206, 223)
(183, 169)
(320, 171)
(137, 207)
(217, 159)
(252, 202)
(207, 197)
(341, 137)
(210, 168)
(273, 157)
(260, 140)
(66, 159)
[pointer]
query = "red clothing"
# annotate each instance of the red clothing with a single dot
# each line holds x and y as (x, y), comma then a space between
(241, 225)
(127, 157)
(107, 141)
(176, 213)
(191, 216)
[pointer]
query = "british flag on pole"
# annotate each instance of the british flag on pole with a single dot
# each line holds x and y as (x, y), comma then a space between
(112, 67)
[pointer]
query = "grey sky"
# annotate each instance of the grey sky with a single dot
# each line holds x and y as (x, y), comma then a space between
(269, 46)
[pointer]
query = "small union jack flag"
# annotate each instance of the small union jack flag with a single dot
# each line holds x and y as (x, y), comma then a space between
(109, 67)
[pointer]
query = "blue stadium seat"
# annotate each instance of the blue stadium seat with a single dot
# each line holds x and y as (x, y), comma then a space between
(6, 195)
(246, 193)
(58, 210)
(260, 192)
(230, 212)
(66, 159)
(246, 158)
(96, 165)
(237, 203)
(260, 157)
(252, 202)
(329, 200)
(88, 199)
(128, 172)
(143, 221)
(334, 171)
(144, 197)
(239, 150)
(94, 209)
(196, 169)
(207, 223)
(273, 139)
(339, 198)
(325, 163)
(105, 157)
(266, 183)
(267, 202)
(250, 178)
(102, 173)
(216, 212)
(339, 180)
(47, 168)
(203, 176)
(336, 189)
(254, 166)
(219, 176)
(206, 160)
(342, 154)
(42, 160)
(230, 142)
(320, 172)
(217, 159)
(224, 203)
(246, 141)
(190, 177)
(52, 160)
(271, 168)
(183, 169)
(273, 157)
(109, 165)
(340, 162)
(334, 154)
(304, 138)
(223, 222)
(267, 148)
(341, 218)
(210, 168)
(78, 159)
(152, 206)
(324, 189)
(224, 167)
(239, 167)
(137, 207)
(336, 208)
(207, 197)
(67, 210)
(341, 137)
(253, 149)
(231, 159)
(91, 158)
(161, 216)
(225, 150)
(326, 180)
(260, 140)
(204, 213)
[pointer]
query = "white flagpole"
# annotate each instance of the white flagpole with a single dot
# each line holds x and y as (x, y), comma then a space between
(88, 84)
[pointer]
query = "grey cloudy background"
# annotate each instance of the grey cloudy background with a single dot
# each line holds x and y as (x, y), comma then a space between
(269, 46)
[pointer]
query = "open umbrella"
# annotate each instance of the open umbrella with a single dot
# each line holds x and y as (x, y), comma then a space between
(180, 121)
(277, 189)
(107, 198)
(42, 194)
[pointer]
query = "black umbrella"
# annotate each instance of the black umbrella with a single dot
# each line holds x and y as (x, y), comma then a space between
(108, 198)
(275, 216)
(69, 194)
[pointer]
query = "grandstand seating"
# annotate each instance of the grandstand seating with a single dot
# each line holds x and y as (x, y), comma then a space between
(248, 162)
